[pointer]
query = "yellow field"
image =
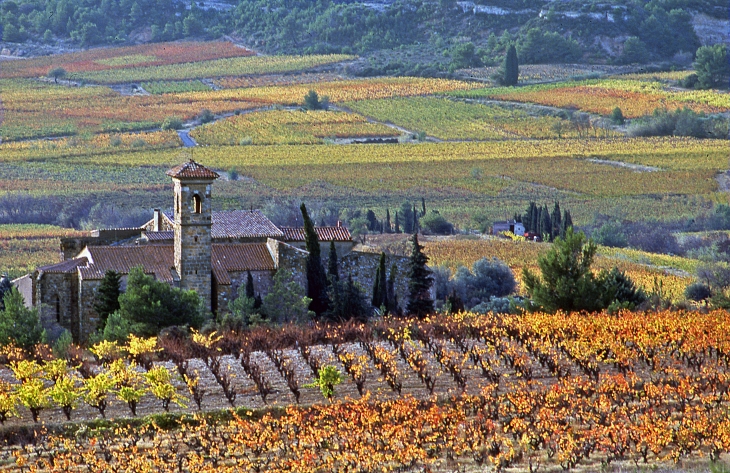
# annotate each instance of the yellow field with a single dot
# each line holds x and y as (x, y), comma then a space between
(635, 98)
(23, 248)
(453, 120)
(288, 127)
(349, 90)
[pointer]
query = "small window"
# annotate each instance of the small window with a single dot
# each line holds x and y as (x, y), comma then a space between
(197, 204)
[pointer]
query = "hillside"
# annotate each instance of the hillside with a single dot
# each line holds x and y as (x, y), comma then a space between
(440, 37)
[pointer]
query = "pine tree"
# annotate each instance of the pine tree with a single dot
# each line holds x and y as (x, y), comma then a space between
(388, 229)
(511, 67)
(566, 281)
(107, 296)
(420, 303)
(393, 308)
(380, 285)
(316, 278)
(333, 270)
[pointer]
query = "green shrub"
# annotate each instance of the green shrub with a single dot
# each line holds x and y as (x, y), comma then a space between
(172, 123)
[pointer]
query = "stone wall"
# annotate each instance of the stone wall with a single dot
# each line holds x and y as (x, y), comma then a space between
(24, 284)
(263, 281)
(71, 247)
(362, 266)
(88, 318)
(342, 247)
(57, 297)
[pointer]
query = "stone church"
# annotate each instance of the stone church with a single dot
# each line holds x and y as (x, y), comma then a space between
(191, 247)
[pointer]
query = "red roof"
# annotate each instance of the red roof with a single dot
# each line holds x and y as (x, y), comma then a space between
(68, 266)
(241, 257)
(323, 233)
(155, 259)
(192, 170)
(243, 223)
(159, 260)
(160, 236)
(236, 224)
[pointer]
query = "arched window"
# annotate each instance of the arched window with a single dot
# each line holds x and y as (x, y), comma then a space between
(197, 204)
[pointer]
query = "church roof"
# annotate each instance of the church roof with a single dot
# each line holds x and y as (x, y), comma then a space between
(155, 259)
(192, 170)
(338, 233)
(241, 257)
(159, 260)
(68, 266)
(243, 223)
(235, 224)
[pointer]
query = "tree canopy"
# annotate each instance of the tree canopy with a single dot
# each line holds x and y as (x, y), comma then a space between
(150, 305)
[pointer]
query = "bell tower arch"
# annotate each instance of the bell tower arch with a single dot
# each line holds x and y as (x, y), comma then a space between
(193, 183)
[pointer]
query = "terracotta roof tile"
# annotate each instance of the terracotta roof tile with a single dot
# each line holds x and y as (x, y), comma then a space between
(192, 170)
(155, 259)
(243, 223)
(323, 233)
(241, 257)
(68, 266)
(160, 236)
(239, 224)
(159, 260)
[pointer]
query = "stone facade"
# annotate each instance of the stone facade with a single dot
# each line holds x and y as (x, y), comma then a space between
(192, 248)
(193, 235)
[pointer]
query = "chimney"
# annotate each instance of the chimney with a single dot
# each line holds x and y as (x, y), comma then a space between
(339, 223)
(157, 221)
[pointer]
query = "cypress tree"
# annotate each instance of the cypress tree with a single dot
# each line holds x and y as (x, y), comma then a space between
(393, 308)
(415, 220)
(387, 221)
(423, 206)
(333, 270)
(316, 278)
(377, 296)
(420, 303)
(107, 296)
(567, 221)
(249, 286)
(380, 285)
(397, 227)
(511, 67)
(534, 217)
(546, 226)
(557, 221)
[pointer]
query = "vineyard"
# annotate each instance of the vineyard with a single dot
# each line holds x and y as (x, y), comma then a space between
(288, 127)
(452, 120)
(635, 98)
(38, 245)
(231, 66)
(101, 59)
(496, 177)
(532, 391)
(350, 90)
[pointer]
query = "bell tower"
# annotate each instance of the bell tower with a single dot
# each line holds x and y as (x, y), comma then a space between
(193, 184)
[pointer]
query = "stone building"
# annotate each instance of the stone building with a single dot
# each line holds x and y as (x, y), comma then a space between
(191, 247)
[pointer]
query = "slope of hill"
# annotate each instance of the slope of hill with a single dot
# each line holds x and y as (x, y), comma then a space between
(440, 35)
